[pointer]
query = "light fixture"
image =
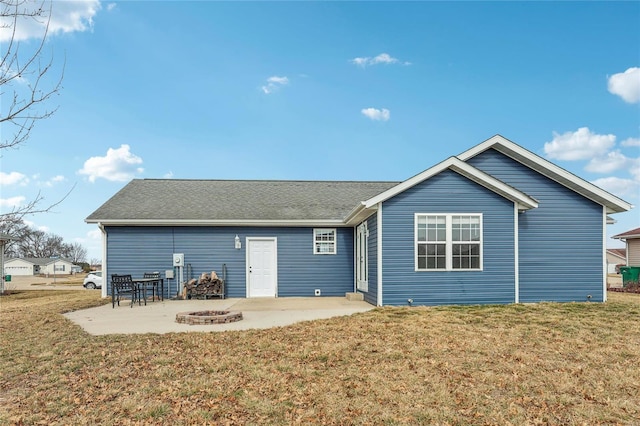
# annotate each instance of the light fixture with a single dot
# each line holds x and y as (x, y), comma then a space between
(238, 244)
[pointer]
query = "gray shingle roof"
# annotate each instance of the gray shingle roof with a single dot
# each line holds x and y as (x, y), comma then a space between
(41, 260)
(240, 200)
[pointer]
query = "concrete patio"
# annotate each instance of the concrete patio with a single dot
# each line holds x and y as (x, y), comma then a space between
(159, 316)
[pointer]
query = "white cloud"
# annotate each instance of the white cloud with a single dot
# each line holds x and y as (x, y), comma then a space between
(274, 83)
(118, 165)
(631, 142)
(54, 180)
(619, 186)
(66, 16)
(376, 114)
(383, 58)
(579, 145)
(626, 85)
(12, 202)
(95, 235)
(111, 6)
(13, 178)
(613, 161)
(168, 175)
(43, 228)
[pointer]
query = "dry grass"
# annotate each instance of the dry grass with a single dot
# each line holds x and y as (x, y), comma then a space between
(518, 364)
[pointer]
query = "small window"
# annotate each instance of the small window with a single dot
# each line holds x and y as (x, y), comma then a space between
(446, 242)
(324, 241)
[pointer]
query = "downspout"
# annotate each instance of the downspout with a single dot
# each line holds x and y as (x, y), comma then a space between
(604, 254)
(355, 262)
(379, 232)
(105, 281)
(516, 248)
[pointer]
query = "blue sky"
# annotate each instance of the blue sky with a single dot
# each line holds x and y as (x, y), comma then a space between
(323, 91)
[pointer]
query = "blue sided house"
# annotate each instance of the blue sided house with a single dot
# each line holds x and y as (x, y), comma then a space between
(495, 224)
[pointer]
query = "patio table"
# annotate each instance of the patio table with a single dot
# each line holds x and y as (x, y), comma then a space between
(141, 287)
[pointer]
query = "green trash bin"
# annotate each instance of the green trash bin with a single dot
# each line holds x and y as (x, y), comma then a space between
(630, 275)
(7, 278)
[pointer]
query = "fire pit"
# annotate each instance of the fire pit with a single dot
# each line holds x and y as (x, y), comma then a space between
(208, 317)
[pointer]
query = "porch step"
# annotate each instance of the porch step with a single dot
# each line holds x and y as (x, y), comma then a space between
(354, 296)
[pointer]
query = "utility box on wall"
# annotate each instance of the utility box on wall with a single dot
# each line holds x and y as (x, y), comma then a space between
(178, 259)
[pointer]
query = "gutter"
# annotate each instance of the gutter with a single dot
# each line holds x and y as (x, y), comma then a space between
(104, 260)
(231, 222)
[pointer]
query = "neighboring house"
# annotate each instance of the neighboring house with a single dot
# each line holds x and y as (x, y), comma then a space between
(632, 240)
(495, 224)
(35, 266)
(615, 257)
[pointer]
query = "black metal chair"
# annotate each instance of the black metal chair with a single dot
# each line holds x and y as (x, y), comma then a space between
(153, 285)
(122, 285)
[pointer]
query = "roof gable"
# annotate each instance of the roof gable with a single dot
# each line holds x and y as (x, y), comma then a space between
(523, 201)
(550, 170)
(618, 252)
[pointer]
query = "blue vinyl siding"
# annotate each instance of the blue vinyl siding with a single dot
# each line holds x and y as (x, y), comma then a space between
(371, 296)
(561, 254)
(135, 250)
(448, 192)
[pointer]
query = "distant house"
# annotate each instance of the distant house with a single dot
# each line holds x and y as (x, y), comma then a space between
(615, 257)
(495, 224)
(632, 241)
(36, 266)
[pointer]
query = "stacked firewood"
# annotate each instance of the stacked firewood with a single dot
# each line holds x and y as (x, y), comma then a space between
(208, 285)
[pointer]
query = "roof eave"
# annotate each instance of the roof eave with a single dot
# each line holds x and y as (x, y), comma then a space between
(359, 213)
(626, 237)
(232, 222)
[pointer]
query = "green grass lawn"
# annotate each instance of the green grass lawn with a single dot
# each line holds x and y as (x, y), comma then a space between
(547, 363)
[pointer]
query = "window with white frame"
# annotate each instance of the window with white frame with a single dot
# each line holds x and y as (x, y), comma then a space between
(324, 241)
(445, 242)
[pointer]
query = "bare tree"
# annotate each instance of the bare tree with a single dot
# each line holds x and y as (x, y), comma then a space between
(30, 242)
(77, 253)
(11, 224)
(19, 72)
(25, 85)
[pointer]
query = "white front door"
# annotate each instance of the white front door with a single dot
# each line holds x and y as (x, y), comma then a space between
(362, 257)
(262, 267)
